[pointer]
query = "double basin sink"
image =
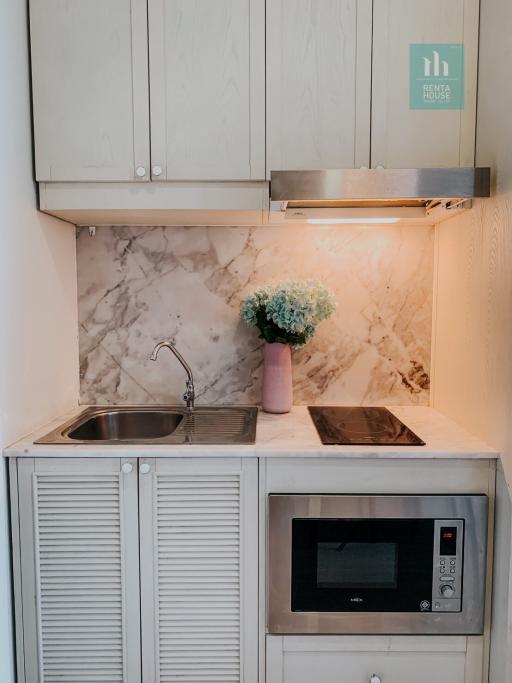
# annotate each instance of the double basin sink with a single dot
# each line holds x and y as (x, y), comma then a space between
(157, 425)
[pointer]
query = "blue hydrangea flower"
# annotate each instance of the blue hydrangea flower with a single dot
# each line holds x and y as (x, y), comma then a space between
(288, 312)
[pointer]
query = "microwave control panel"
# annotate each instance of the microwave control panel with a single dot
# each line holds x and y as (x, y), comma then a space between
(448, 565)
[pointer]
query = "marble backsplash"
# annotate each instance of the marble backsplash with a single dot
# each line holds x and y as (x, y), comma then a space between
(137, 286)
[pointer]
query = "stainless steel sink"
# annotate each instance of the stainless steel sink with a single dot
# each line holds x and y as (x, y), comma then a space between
(122, 425)
(158, 425)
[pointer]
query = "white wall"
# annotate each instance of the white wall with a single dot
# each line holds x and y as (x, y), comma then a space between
(472, 352)
(472, 355)
(38, 321)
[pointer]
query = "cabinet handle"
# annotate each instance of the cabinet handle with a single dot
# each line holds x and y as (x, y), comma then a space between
(127, 467)
(375, 679)
(144, 468)
(157, 170)
(140, 171)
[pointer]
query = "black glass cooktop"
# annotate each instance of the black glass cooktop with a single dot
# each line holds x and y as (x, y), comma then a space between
(360, 426)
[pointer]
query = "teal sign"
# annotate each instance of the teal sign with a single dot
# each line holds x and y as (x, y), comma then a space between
(436, 76)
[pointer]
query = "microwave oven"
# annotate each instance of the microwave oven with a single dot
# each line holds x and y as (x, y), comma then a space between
(378, 564)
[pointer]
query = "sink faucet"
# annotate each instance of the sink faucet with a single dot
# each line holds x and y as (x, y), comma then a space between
(190, 394)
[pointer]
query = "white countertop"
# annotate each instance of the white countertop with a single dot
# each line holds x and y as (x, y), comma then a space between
(287, 435)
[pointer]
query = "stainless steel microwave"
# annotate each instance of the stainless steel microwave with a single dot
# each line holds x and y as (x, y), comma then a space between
(377, 564)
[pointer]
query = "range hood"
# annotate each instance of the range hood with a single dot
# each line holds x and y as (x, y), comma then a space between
(353, 195)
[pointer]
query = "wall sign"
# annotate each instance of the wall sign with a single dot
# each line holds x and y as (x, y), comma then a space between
(436, 76)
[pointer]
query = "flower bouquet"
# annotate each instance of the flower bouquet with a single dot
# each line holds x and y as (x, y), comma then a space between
(286, 315)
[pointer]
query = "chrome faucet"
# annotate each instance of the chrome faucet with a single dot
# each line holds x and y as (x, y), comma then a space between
(190, 394)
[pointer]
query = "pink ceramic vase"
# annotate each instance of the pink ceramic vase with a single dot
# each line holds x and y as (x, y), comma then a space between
(277, 378)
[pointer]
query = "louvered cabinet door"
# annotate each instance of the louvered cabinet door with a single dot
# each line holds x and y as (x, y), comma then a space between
(78, 541)
(199, 570)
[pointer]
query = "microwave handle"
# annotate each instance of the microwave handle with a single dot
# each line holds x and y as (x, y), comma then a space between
(375, 679)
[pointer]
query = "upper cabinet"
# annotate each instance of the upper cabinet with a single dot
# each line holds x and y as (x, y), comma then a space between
(342, 73)
(90, 89)
(207, 85)
(176, 111)
(431, 45)
(92, 94)
(318, 84)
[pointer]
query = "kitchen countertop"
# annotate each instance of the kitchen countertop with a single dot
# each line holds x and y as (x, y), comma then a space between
(292, 434)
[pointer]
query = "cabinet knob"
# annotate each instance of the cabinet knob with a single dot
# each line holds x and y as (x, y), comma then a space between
(375, 679)
(140, 171)
(157, 170)
(127, 467)
(144, 468)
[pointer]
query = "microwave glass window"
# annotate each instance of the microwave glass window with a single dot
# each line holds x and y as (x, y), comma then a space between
(373, 565)
(356, 565)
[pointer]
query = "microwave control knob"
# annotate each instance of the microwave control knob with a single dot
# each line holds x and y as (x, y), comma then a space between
(447, 591)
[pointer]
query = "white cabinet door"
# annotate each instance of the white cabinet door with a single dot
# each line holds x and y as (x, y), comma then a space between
(318, 84)
(78, 541)
(90, 89)
(403, 137)
(207, 71)
(199, 570)
(355, 659)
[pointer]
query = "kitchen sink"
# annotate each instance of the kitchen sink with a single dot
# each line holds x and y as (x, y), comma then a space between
(158, 425)
(123, 425)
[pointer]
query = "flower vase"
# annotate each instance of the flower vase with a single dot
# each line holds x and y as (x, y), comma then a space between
(277, 378)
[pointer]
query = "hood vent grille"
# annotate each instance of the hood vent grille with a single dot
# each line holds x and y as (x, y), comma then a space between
(355, 204)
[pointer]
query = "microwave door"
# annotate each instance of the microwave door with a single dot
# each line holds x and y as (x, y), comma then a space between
(362, 565)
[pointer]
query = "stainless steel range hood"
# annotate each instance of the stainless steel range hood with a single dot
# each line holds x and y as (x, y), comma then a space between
(413, 192)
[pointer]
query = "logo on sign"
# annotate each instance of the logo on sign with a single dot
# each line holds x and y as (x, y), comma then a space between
(436, 76)
(435, 62)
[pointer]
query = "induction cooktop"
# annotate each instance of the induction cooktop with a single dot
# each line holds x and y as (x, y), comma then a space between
(360, 426)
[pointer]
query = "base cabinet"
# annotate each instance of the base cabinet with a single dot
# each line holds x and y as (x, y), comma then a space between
(145, 570)
(131, 570)
(199, 570)
(76, 570)
(373, 659)
(393, 659)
